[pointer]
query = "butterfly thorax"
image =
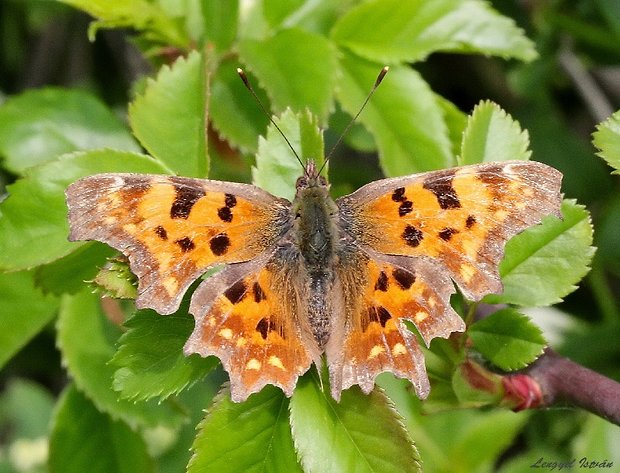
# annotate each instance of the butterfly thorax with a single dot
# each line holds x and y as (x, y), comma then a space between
(316, 233)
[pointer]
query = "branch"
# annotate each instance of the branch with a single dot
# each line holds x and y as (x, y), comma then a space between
(556, 380)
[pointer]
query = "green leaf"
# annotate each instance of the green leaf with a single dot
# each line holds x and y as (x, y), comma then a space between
(607, 139)
(296, 68)
(234, 112)
(27, 407)
(403, 115)
(492, 135)
(150, 358)
(143, 15)
(410, 31)
(24, 311)
(116, 280)
(220, 19)
(39, 125)
(69, 274)
(35, 210)
(84, 439)
(169, 118)
(508, 339)
(276, 166)
(456, 122)
(86, 339)
(362, 433)
(252, 436)
(543, 264)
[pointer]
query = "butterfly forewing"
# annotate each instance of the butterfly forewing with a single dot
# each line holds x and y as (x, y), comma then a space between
(173, 228)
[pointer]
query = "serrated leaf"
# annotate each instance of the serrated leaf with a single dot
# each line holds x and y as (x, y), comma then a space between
(116, 280)
(403, 116)
(508, 339)
(277, 169)
(543, 264)
(150, 357)
(410, 31)
(142, 15)
(252, 436)
(456, 121)
(35, 210)
(39, 125)
(492, 135)
(70, 273)
(84, 439)
(607, 139)
(220, 19)
(296, 68)
(169, 118)
(362, 433)
(234, 112)
(24, 311)
(86, 339)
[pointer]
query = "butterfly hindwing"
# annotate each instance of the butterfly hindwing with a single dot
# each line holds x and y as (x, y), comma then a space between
(380, 293)
(460, 217)
(173, 228)
(251, 316)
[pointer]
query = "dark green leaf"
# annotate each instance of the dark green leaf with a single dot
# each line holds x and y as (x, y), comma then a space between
(296, 68)
(33, 219)
(27, 408)
(150, 358)
(543, 264)
(86, 339)
(508, 339)
(39, 125)
(492, 135)
(235, 113)
(362, 433)
(607, 139)
(24, 311)
(169, 118)
(410, 31)
(276, 166)
(252, 436)
(403, 115)
(85, 439)
(220, 19)
(70, 273)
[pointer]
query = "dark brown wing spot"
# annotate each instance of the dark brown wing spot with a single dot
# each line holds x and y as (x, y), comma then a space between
(161, 232)
(379, 314)
(405, 208)
(219, 244)
(134, 187)
(230, 201)
(404, 278)
(440, 184)
(184, 200)
(225, 214)
(446, 233)
(186, 244)
(259, 294)
(399, 195)
(382, 282)
(470, 221)
(412, 236)
(264, 326)
(236, 292)
(493, 176)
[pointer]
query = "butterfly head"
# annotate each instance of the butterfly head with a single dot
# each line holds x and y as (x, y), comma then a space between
(311, 178)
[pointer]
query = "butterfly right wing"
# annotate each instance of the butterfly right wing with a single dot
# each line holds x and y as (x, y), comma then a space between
(252, 316)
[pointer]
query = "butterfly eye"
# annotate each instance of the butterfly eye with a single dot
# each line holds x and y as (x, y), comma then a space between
(302, 181)
(322, 181)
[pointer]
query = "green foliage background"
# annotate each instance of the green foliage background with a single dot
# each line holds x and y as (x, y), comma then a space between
(95, 387)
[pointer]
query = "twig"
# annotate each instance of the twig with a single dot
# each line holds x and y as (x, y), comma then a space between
(563, 381)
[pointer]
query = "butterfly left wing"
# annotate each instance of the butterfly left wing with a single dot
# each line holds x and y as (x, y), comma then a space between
(173, 229)
(252, 316)
(408, 237)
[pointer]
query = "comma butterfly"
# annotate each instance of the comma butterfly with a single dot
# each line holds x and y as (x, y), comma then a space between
(316, 276)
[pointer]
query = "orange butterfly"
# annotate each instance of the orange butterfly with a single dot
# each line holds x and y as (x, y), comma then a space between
(316, 276)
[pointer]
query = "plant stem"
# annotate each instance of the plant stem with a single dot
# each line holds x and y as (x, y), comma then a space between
(563, 381)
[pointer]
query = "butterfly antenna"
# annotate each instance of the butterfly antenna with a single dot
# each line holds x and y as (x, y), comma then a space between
(246, 82)
(380, 77)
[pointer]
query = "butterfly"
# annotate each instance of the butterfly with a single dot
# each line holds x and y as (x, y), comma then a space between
(316, 277)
